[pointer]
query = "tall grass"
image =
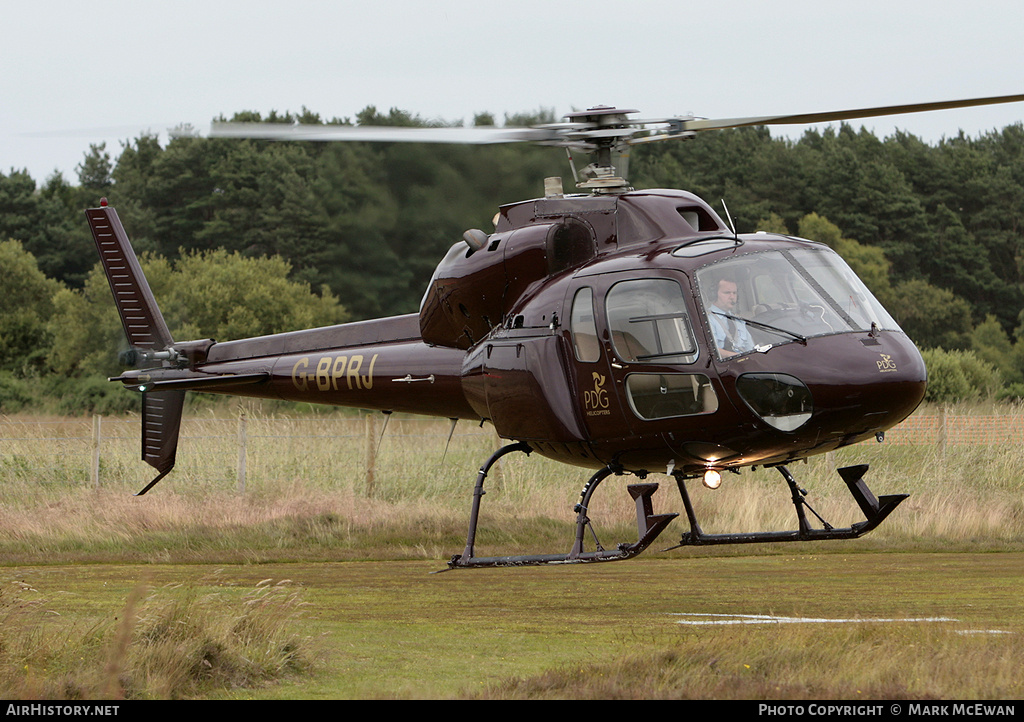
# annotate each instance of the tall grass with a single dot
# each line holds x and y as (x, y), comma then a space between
(843, 662)
(308, 495)
(168, 643)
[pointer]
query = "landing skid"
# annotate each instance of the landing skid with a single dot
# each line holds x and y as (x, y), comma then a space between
(875, 510)
(649, 525)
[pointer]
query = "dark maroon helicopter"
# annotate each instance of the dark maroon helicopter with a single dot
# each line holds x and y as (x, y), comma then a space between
(624, 331)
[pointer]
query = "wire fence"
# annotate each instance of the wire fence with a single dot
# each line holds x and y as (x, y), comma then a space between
(240, 448)
(243, 447)
(949, 429)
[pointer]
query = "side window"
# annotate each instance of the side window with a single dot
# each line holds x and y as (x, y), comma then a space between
(649, 322)
(658, 396)
(584, 329)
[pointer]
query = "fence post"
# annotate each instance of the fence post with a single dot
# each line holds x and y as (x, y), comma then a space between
(943, 431)
(95, 469)
(371, 454)
(241, 451)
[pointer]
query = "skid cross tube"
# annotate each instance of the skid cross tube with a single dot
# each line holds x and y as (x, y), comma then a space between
(649, 525)
(875, 510)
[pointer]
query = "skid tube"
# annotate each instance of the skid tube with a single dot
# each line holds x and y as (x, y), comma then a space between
(649, 525)
(875, 510)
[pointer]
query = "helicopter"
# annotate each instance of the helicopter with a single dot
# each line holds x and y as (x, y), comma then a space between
(625, 331)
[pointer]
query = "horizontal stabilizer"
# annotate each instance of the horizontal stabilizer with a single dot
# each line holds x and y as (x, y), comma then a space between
(196, 383)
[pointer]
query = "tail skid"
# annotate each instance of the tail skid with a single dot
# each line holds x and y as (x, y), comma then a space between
(148, 336)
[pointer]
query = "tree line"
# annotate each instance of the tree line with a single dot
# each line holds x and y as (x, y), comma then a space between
(335, 231)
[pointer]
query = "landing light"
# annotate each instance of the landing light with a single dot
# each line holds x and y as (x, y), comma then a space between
(712, 478)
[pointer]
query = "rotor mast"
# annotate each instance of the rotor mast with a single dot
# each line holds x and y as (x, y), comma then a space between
(601, 131)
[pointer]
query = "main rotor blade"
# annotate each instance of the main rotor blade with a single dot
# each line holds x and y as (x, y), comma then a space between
(588, 135)
(381, 134)
(807, 118)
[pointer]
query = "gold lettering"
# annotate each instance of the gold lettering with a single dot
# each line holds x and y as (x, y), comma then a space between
(338, 372)
(886, 364)
(299, 379)
(330, 370)
(368, 379)
(598, 398)
(323, 376)
(353, 371)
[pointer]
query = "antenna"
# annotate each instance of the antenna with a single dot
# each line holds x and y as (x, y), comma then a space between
(729, 218)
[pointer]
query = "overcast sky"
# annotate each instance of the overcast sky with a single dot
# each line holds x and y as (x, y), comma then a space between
(77, 73)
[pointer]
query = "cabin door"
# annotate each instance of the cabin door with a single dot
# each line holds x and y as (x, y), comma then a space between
(636, 353)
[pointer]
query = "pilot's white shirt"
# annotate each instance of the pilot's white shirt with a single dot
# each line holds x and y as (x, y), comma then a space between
(741, 341)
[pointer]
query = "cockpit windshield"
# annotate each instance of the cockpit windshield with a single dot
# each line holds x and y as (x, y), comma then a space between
(764, 299)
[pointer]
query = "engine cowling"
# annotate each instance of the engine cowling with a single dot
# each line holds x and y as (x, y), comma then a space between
(471, 292)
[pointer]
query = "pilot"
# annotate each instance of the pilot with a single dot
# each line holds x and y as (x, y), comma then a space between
(731, 334)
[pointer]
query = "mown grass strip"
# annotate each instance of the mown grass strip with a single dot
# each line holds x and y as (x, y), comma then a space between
(393, 630)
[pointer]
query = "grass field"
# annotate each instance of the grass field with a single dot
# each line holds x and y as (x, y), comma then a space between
(864, 626)
(95, 582)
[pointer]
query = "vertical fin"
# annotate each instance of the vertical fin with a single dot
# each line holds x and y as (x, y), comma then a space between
(161, 420)
(143, 323)
(146, 329)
